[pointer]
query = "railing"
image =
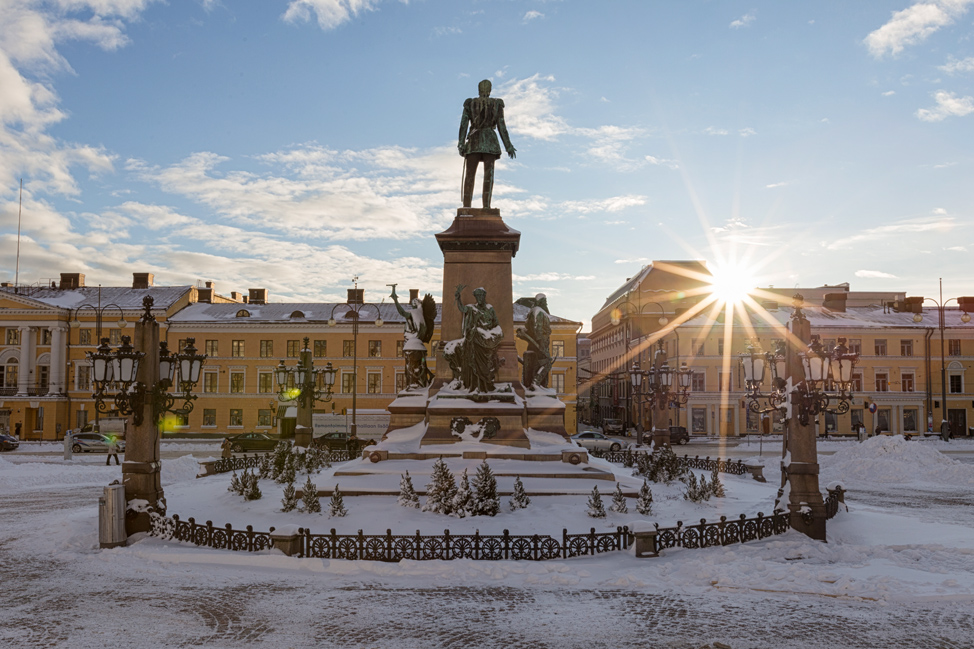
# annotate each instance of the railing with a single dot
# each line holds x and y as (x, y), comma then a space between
(628, 458)
(220, 538)
(241, 462)
(7, 392)
(833, 500)
(724, 532)
(389, 547)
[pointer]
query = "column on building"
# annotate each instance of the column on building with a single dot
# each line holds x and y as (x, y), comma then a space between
(56, 380)
(26, 359)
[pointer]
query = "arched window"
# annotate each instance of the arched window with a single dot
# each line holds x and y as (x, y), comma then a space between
(8, 376)
(243, 313)
(297, 314)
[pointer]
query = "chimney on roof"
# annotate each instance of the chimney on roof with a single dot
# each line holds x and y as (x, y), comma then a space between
(835, 302)
(246, 299)
(209, 284)
(204, 295)
(71, 281)
(235, 296)
(413, 294)
(142, 280)
(356, 296)
(258, 296)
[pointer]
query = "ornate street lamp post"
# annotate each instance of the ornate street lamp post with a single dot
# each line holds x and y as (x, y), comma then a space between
(137, 378)
(660, 387)
(99, 311)
(966, 305)
(353, 306)
(310, 385)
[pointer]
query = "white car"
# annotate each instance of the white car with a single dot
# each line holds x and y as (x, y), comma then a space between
(596, 441)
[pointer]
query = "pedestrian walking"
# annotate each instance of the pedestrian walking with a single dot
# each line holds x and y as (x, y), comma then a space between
(68, 441)
(112, 452)
(225, 446)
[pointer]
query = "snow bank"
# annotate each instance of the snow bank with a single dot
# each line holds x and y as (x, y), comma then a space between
(892, 460)
(180, 469)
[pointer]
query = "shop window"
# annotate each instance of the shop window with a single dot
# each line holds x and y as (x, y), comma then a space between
(265, 417)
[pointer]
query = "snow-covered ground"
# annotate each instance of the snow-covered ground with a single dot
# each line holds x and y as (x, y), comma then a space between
(898, 570)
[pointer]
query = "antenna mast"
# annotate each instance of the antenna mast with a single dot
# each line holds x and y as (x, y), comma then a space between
(20, 212)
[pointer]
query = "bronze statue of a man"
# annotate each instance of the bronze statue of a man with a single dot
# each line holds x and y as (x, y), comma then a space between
(482, 115)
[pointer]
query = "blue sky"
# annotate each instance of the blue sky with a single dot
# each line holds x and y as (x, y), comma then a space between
(295, 144)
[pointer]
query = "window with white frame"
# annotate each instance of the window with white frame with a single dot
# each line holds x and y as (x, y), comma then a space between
(210, 381)
(882, 382)
(907, 381)
(558, 383)
(956, 383)
(236, 382)
(373, 382)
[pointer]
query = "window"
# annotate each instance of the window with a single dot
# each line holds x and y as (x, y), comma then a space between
(293, 348)
(84, 336)
(698, 420)
(700, 350)
(114, 336)
(882, 382)
(348, 348)
(906, 348)
(13, 336)
(236, 417)
(43, 376)
(209, 416)
(237, 348)
(375, 348)
(400, 381)
(854, 345)
(348, 381)
(399, 349)
(209, 381)
(720, 346)
(753, 421)
(831, 422)
(910, 419)
(882, 416)
(236, 382)
(698, 382)
(321, 348)
(80, 418)
(181, 345)
(956, 384)
(879, 347)
(10, 374)
(374, 382)
(857, 382)
(82, 377)
(953, 348)
(267, 349)
(907, 382)
(558, 382)
(265, 382)
(557, 348)
(210, 348)
(265, 417)
(723, 382)
(856, 416)
(45, 336)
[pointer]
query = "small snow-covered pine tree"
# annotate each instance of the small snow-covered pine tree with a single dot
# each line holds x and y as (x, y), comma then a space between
(692, 492)
(440, 490)
(619, 501)
(235, 484)
(316, 459)
(265, 465)
(309, 497)
(716, 486)
(463, 499)
(407, 494)
(519, 499)
(595, 507)
(288, 470)
(290, 501)
(644, 503)
(298, 453)
(337, 506)
(252, 490)
(486, 500)
(279, 458)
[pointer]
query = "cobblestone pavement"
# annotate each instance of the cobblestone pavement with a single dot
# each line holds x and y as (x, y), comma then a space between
(50, 602)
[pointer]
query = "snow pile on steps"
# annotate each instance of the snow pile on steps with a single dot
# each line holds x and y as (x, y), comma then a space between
(893, 460)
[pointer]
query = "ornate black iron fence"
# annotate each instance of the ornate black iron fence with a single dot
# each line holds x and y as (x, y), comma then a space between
(220, 538)
(723, 532)
(241, 462)
(835, 497)
(628, 458)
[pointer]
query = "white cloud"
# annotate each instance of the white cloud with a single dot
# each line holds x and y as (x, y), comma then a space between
(747, 132)
(610, 144)
(531, 15)
(743, 21)
(662, 162)
(610, 205)
(889, 93)
(913, 25)
(551, 277)
(948, 105)
(329, 13)
(939, 210)
(873, 236)
(953, 66)
(774, 185)
(957, 249)
(710, 130)
(874, 274)
(530, 108)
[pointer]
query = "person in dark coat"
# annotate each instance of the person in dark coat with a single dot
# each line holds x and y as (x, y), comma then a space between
(112, 452)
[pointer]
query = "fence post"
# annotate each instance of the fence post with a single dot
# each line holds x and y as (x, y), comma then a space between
(564, 543)
(645, 544)
(507, 544)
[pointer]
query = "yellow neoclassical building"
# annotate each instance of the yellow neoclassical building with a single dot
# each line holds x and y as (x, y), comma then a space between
(48, 331)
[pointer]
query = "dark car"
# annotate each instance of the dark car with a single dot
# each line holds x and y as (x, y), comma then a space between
(612, 427)
(246, 442)
(679, 435)
(95, 443)
(342, 441)
(8, 443)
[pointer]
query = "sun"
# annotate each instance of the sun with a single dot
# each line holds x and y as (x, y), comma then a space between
(732, 283)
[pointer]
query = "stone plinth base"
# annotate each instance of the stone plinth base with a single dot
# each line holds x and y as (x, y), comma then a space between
(547, 413)
(501, 423)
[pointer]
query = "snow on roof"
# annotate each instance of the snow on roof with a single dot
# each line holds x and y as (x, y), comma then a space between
(125, 297)
(855, 317)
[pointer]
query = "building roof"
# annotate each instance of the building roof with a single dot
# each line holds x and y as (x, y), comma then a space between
(125, 297)
(870, 317)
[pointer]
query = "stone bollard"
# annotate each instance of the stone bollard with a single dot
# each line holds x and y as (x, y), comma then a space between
(288, 539)
(645, 544)
(757, 471)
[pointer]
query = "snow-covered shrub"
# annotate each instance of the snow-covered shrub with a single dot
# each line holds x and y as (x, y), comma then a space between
(661, 466)
(279, 458)
(265, 466)
(519, 499)
(695, 490)
(619, 501)
(288, 469)
(716, 486)
(309, 497)
(316, 458)
(251, 489)
(441, 489)
(407, 494)
(595, 507)
(337, 506)
(486, 500)
(644, 503)
(235, 485)
(463, 499)
(290, 501)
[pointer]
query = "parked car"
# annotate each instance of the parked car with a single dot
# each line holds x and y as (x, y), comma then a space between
(596, 441)
(95, 443)
(342, 441)
(8, 442)
(613, 426)
(114, 426)
(247, 442)
(679, 435)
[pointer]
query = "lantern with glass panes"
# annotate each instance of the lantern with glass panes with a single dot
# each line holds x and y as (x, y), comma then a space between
(759, 366)
(304, 383)
(661, 385)
(115, 377)
(827, 385)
